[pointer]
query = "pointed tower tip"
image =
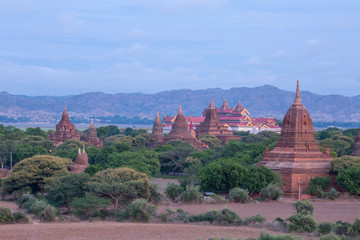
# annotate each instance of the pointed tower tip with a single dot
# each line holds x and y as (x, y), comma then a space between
(79, 151)
(83, 148)
(212, 106)
(297, 100)
(225, 105)
(157, 118)
(65, 108)
(180, 110)
(92, 124)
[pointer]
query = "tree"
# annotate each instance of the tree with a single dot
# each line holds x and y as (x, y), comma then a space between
(121, 185)
(350, 179)
(222, 175)
(36, 132)
(36, 172)
(69, 148)
(213, 142)
(344, 162)
(63, 191)
(174, 159)
(258, 178)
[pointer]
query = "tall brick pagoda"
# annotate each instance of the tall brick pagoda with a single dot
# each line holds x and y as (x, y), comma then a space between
(91, 137)
(65, 130)
(157, 130)
(296, 155)
(212, 125)
(81, 162)
(356, 146)
(180, 131)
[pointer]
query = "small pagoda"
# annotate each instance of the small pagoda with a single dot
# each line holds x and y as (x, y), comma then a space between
(81, 162)
(65, 130)
(157, 130)
(180, 131)
(296, 155)
(212, 125)
(91, 137)
(356, 146)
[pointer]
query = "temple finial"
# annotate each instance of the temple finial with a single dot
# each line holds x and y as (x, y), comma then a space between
(225, 105)
(92, 124)
(157, 119)
(212, 106)
(180, 111)
(83, 148)
(65, 108)
(297, 100)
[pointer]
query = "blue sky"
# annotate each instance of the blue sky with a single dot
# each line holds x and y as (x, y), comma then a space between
(76, 46)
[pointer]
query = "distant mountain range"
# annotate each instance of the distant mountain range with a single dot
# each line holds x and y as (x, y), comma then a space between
(109, 108)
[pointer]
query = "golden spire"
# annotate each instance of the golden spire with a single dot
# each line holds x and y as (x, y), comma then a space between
(297, 100)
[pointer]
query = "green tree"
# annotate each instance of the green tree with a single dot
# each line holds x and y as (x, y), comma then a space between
(350, 179)
(37, 173)
(213, 142)
(222, 175)
(344, 162)
(258, 178)
(63, 191)
(121, 185)
(36, 132)
(69, 148)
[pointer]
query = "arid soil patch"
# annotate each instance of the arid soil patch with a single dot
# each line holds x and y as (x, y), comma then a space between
(114, 230)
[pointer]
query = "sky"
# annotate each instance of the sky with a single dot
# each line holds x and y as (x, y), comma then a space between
(124, 46)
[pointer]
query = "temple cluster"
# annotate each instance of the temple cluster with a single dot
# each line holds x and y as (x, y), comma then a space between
(65, 130)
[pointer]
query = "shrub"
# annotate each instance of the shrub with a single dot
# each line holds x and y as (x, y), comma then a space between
(217, 198)
(140, 211)
(238, 195)
(349, 179)
(330, 236)
(20, 217)
(6, 216)
(173, 191)
(301, 223)
(26, 200)
(164, 217)
(281, 222)
(88, 206)
(266, 236)
(43, 210)
(341, 228)
(325, 227)
(254, 220)
(332, 194)
(322, 182)
(191, 194)
(223, 217)
(92, 169)
(155, 196)
(303, 208)
(271, 192)
(354, 229)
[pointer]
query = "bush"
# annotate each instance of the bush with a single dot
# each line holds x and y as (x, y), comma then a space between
(271, 192)
(173, 191)
(266, 236)
(155, 196)
(88, 206)
(238, 195)
(43, 210)
(26, 200)
(322, 182)
(354, 229)
(330, 236)
(20, 217)
(325, 228)
(6, 216)
(303, 208)
(301, 223)
(341, 228)
(140, 211)
(223, 217)
(191, 194)
(332, 194)
(254, 220)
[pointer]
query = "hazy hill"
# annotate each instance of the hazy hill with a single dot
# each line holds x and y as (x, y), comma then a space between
(260, 101)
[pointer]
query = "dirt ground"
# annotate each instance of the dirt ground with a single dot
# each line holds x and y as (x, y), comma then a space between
(114, 230)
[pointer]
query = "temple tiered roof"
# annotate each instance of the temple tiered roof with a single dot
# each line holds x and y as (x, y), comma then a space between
(91, 137)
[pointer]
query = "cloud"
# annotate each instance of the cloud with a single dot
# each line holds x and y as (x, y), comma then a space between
(133, 49)
(138, 33)
(256, 61)
(313, 42)
(70, 23)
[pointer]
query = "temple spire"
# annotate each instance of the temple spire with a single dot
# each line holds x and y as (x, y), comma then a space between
(225, 105)
(65, 108)
(212, 106)
(180, 111)
(92, 124)
(83, 148)
(157, 119)
(297, 100)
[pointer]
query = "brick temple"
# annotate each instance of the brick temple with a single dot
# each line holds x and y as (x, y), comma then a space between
(296, 155)
(81, 162)
(356, 146)
(157, 130)
(213, 126)
(65, 130)
(91, 137)
(180, 131)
